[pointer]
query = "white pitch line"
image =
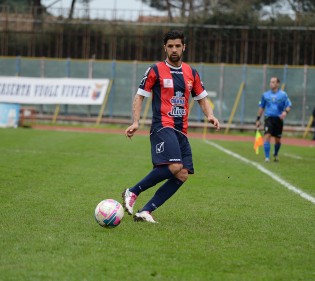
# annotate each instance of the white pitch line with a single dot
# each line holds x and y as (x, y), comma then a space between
(265, 171)
(293, 156)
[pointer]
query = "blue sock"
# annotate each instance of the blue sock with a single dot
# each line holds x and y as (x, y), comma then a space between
(267, 149)
(277, 148)
(157, 175)
(163, 194)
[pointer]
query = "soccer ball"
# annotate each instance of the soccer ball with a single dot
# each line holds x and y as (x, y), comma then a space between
(109, 213)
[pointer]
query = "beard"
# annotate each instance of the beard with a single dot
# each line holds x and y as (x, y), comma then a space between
(174, 58)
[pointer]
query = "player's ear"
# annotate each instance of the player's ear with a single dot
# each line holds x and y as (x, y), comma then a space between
(184, 48)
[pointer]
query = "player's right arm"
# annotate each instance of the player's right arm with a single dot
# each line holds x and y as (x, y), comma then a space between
(136, 112)
(144, 90)
(261, 108)
(259, 114)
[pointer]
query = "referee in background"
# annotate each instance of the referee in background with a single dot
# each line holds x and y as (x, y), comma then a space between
(275, 105)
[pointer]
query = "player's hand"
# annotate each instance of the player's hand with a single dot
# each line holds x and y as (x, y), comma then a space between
(130, 131)
(283, 115)
(214, 121)
(257, 124)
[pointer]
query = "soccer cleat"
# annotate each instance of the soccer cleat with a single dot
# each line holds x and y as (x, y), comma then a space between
(129, 199)
(267, 160)
(275, 159)
(144, 216)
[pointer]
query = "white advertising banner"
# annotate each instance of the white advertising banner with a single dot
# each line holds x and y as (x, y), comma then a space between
(25, 90)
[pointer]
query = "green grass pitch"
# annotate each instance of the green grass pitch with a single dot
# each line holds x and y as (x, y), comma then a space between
(228, 222)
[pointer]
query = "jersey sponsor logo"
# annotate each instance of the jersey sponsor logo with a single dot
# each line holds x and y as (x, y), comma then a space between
(159, 148)
(178, 105)
(168, 83)
(177, 112)
(178, 99)
(176, 72)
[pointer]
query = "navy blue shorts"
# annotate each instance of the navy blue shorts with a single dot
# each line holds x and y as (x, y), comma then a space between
(170, 146)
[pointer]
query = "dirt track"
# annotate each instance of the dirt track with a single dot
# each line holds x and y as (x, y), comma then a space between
(210, 136)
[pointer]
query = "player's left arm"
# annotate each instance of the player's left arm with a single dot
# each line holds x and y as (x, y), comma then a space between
(208, 112)
(203, 101)
(286, 110)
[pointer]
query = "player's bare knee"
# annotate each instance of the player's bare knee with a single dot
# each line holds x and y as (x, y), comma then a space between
(175, 168)
(182, 175)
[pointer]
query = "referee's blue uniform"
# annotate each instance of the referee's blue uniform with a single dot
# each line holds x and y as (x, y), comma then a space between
(273, 104)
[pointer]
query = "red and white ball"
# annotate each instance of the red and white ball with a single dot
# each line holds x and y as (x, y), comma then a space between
(109, 213)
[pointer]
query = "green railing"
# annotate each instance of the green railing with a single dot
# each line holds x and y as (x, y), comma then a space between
(222, 81)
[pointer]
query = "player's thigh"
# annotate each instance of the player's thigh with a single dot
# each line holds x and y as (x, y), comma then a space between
(268, 126)
(165, 148)
(278, 128)
(186, 153)
(273, 126)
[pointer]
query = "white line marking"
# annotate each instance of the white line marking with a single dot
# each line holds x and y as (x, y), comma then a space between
(293, 156)
(267, 172)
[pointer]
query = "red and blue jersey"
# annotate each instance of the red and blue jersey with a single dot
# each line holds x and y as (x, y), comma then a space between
(171, 88)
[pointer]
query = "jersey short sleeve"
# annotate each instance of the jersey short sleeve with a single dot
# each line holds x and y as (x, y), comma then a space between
(262, 102)
(288, 102)
(198, 91)
(147, 83)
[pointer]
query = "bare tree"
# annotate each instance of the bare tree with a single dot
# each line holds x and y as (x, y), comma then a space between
(72, 8)
(246, 9)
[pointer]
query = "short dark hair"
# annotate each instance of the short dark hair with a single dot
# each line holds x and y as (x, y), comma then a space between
(174, 34)
(277, 78)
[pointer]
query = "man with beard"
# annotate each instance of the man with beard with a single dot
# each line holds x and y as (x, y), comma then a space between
(170, 83)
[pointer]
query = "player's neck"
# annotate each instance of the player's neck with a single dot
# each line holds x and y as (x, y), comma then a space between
(177, 65)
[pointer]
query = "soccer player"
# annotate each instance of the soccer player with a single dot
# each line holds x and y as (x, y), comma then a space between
(275, 104)
(170, 82)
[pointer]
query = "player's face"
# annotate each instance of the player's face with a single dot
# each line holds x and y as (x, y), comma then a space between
(274, 85)
(174, 49)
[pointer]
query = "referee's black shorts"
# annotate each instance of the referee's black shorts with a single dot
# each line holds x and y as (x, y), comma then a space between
(273, 126)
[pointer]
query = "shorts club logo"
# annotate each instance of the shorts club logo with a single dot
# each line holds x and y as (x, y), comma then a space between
(159, 148)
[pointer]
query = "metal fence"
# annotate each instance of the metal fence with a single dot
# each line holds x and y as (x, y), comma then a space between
(222, 81)
(130, 34)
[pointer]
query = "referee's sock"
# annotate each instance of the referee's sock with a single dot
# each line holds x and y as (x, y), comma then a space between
(277, 148)
(267, 149)
(157, 175)
(162, 194)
